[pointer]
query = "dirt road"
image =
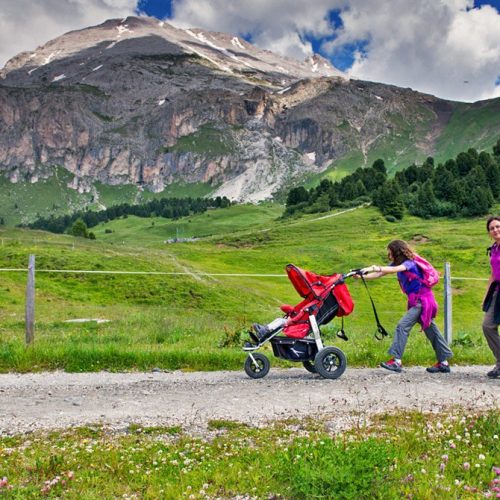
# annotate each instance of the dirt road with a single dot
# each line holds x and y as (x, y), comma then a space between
(58, 400)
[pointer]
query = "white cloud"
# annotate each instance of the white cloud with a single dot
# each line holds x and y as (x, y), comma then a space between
(275, 25)
(432, 46)
(26, 24)
(453, 53)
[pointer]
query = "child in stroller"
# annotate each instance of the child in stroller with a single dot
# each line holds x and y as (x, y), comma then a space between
(324, 298)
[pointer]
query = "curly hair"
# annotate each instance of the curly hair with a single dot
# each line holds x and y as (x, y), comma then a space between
(400, 251)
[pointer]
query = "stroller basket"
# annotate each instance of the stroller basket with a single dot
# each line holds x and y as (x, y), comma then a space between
(294, 350)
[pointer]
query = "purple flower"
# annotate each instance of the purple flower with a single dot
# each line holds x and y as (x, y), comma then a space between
(466, 465)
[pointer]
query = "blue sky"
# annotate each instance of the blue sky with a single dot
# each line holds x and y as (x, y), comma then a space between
(449, 48)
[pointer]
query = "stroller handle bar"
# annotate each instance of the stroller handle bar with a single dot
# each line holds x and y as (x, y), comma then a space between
(352, 272)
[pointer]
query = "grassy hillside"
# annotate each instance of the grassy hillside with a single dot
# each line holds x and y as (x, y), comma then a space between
(470, 126)
(479, 121)
(24, 202)
(180, 320)
(136, 231)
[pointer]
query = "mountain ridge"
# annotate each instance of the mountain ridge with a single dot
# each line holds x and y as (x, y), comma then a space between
(139, 102)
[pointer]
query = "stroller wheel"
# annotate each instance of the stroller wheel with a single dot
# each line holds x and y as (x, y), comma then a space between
(330, 362)
(309, 366)
(260, 368)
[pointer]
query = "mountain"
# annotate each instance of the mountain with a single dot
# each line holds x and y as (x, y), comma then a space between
(140, 104)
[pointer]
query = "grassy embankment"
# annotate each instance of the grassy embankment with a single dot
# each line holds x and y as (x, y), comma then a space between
(180, 321)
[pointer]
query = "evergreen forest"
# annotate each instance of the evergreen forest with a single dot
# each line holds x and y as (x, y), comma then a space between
(467, 185)
(169, 208)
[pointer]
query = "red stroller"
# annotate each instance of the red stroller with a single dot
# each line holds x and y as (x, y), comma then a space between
(324, 298)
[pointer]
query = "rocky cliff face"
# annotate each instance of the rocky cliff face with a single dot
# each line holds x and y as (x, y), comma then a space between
(139, 101)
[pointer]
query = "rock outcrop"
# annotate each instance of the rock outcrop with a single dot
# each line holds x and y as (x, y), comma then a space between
(137, 101)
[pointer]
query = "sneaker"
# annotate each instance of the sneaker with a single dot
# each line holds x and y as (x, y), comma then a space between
(261, 330)
(392, 365)
(253, 337)
(439, 368)
(495, 373)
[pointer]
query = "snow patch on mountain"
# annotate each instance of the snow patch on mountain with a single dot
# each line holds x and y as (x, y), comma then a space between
(236, 42)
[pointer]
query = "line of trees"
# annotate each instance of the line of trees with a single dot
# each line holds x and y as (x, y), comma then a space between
(169, 208)
(465, 186)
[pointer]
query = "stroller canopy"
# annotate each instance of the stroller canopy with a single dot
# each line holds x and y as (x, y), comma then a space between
(308, 284)
(313, 286)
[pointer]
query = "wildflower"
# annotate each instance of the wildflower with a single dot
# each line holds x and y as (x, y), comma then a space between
(442, 466)
(496, 470)
(481, 456)
(466, 465)
(4, 483)
(453, 445)
(444, 458)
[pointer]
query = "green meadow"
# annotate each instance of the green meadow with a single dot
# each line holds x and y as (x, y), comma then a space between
(193, 310)
(403, 455)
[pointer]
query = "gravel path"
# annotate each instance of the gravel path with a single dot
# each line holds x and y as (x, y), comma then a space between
(57, 399)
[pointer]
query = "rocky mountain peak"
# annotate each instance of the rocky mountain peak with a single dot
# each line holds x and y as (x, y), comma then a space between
(138, 101)
(322, 66)
(144, 35)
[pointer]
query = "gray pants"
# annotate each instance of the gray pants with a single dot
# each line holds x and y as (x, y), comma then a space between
(406, 323)
(490, 330)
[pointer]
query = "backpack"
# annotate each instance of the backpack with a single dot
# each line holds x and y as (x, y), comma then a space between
(430, 275)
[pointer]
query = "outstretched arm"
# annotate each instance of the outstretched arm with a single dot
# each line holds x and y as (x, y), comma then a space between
(373, 272)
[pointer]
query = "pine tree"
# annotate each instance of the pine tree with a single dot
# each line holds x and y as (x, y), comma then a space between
(389, 199)
(79, 228)
(297, 195)
(496, 150)
(441, 183)
(425, 202)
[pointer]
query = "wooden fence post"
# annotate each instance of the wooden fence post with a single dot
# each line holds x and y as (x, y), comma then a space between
(30, 302)
(448, 328)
